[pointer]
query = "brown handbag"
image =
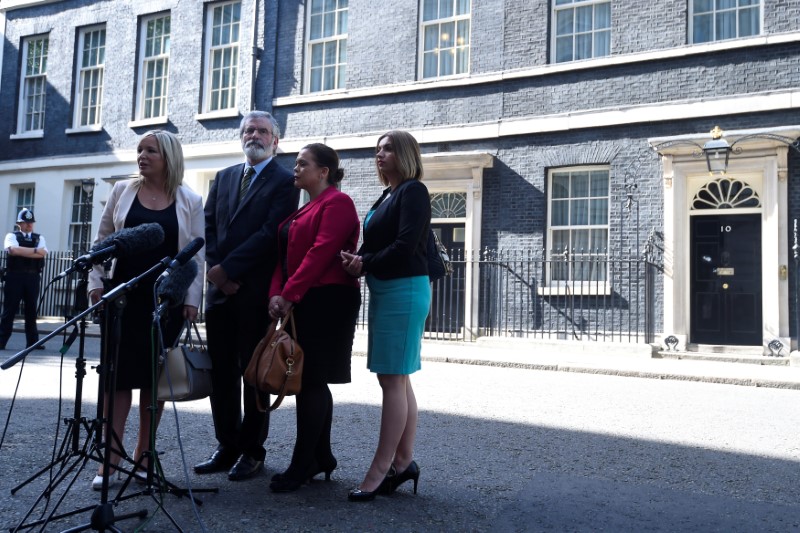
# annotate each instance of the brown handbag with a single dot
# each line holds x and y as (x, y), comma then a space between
(277, 363)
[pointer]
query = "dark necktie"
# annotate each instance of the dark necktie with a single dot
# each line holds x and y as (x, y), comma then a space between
(245, 185)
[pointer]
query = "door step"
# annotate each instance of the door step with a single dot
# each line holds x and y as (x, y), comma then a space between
(725, 357)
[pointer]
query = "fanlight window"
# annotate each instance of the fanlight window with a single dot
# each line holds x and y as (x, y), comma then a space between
(449, 205)
(726, 193)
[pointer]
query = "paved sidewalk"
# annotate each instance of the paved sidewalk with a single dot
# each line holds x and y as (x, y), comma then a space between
(617, 359)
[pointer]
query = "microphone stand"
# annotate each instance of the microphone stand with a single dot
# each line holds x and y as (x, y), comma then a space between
(100, 449)
(70, 445)
(156, 482)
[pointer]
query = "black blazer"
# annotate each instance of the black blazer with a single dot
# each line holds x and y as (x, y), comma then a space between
(396, 236)
(242, 237)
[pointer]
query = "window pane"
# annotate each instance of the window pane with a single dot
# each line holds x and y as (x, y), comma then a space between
(560, 186)
(431, 40)
(446, 62)
(430, 65)
(600, 241)
(583, 46)
(602, 16)
(329, 24)
(583, 19)
(602, 44)
(430, 10)
(564, 22)
(726, 25)
(599, 213)
(580, 185)
(748, 22)
(703, 6)
(316, 80)
(316, 55)
(445, 8)
(447, 39)
(580, 241)
(703, 28)
(560, 240)
(316, 27)
(560, 213)
(563, 49)
(599, 183)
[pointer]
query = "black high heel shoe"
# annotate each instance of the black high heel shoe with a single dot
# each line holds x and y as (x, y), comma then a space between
(286, 482)
(391, 483)
(358, 495)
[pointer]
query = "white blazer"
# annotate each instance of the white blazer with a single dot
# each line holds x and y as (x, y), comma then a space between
(191, 224)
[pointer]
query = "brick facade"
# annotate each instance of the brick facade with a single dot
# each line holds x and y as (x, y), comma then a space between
(512, 81)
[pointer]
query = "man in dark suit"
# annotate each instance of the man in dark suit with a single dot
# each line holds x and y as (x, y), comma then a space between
(244, 207)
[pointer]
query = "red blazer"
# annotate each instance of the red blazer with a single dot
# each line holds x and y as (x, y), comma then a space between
(319, 231)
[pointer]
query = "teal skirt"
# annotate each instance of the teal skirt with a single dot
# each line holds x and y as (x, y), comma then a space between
(397, 312)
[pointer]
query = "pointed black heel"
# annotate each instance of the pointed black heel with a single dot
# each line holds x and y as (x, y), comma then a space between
(289, 482)
(325, 469)
(358, 495)
(391, 483)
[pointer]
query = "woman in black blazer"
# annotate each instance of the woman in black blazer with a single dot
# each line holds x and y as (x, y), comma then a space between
(393, 257)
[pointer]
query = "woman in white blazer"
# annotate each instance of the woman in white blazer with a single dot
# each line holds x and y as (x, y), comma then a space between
(156, 196)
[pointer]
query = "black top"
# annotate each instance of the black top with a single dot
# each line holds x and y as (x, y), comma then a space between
(396, 235)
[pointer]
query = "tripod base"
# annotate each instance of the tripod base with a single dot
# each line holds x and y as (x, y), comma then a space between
(103, 519)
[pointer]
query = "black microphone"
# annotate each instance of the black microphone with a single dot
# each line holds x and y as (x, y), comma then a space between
(173, 289)
(183, 257)
(123, 243)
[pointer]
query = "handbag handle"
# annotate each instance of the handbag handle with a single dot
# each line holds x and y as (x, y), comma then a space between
(279, 326)
(188, 338)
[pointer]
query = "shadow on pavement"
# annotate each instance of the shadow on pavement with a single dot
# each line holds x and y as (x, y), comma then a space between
(477, 475)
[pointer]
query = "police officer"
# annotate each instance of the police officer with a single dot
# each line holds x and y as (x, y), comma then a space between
(26, 252)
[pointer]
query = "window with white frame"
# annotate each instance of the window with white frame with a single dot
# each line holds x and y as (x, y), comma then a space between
(582, 29)
(89, 76)
(717, 20)
(222, 56)
(33, 84)
(327, 45)
(445, 38)
(80, 222)
(153, 67)
(26, 194)
(578, 224)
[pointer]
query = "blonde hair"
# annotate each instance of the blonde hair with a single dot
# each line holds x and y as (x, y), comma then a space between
(170, 148)
(407, 154)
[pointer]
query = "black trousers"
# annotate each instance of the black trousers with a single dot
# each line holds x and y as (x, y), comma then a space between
(20, 286)
(233, 332)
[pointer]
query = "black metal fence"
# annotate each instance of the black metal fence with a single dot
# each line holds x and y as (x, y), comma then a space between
(495, 293)
(517, 294)
(59, 296)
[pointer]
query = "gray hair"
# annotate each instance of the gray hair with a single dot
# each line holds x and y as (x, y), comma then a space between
(276, 130)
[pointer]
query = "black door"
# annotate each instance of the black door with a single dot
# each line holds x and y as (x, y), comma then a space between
(726, 280)
(447, 302)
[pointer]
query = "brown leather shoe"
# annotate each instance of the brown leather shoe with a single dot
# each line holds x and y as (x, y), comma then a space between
(245, 468)
(220, 461)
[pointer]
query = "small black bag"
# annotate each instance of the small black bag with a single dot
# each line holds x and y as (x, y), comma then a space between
(439, 264)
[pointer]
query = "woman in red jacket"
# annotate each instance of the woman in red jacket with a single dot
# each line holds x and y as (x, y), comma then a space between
(309, 278)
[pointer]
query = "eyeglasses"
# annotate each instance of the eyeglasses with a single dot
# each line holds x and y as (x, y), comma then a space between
(261, 131)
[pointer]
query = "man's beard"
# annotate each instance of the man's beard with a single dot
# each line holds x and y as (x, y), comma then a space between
(254, 150)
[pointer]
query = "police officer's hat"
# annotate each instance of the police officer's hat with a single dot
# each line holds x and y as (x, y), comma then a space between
(26, 215)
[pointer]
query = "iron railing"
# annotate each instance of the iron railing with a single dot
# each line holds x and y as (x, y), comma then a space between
(63, 297)
(588, 297)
